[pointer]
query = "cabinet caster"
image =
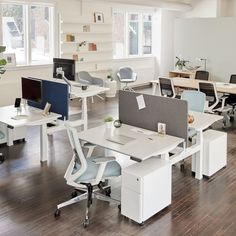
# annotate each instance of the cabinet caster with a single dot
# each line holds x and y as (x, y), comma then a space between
(86, 223)
(57, 213)
(2, 159)
(74, 194)
(119, 207)
(108, 192)
(141, 224)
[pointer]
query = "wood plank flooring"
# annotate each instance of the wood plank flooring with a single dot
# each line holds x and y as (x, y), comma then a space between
(29, 192)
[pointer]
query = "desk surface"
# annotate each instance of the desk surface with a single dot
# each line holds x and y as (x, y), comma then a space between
(142, 147)
(193, 83)
(34, 116)
(203, 120)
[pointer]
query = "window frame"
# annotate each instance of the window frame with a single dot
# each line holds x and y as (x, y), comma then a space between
(140, 54)
(27, 31)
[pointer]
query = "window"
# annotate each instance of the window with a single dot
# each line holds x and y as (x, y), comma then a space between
(27, 32)
(132, 34)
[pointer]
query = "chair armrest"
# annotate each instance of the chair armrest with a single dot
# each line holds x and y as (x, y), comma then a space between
(100, 160)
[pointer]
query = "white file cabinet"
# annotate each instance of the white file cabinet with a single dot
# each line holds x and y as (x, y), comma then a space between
(146, 189)
(214, 152)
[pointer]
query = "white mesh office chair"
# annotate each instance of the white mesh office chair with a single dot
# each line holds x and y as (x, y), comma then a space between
(126, 75)
(2, 158)
(86, 176)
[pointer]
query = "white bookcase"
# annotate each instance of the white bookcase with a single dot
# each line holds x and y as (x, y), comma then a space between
(97, 61)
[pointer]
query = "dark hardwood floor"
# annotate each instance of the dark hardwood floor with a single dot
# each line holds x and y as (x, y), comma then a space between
(30, 191)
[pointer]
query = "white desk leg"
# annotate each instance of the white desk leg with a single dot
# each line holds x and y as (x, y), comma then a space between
(199, 156)
(10, 133)
(85, 113)
(154, 88)
(43, 143)
(165, 156)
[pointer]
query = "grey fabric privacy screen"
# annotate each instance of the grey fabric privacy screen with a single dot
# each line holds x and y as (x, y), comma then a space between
(172, 112)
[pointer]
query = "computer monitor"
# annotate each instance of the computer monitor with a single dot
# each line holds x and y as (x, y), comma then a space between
(31, 89)
(68, 66)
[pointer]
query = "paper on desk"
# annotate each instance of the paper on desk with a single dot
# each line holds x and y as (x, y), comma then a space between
(141, 102)
(146, 132)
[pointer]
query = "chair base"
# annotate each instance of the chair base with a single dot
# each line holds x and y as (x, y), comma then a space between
(88, 194)
(127, 88)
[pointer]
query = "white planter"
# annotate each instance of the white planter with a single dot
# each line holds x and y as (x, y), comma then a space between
(112, 85)
(109, 124)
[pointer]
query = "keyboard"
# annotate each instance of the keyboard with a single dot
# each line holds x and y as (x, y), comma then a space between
(120, 139)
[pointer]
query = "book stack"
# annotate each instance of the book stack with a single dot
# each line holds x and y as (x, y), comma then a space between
(70, 38)
(92, 47)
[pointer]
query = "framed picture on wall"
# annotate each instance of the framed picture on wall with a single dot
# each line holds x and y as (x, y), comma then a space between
(10, 58)
(98, 17)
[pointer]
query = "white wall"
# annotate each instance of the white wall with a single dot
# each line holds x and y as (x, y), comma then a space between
(211, 38)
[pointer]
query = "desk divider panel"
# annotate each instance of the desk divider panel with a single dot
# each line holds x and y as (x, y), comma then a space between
(173, 112)
(58, 95)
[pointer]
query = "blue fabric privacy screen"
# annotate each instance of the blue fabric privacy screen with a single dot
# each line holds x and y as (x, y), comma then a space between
(57, 94)
(173, 112)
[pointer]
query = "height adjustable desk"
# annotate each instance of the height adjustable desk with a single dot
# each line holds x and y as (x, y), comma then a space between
(34, 117)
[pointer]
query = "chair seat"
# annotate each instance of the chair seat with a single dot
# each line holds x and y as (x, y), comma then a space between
(127, 80)
(112, 169)
(2, 135)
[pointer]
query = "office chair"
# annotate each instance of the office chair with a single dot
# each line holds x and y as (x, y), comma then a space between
(202, 75)
(86, 176)
(126, 75)
(215, 104)
(231, 99)
(2, 158)
(166, 88)
(86, 79)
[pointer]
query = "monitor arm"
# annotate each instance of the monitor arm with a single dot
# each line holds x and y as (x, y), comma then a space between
(60, 71)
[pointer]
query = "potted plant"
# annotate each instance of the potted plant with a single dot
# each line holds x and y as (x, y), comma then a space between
(3, 62)
(81, 44)
(108, 121)
(180, 63)
(112, 85)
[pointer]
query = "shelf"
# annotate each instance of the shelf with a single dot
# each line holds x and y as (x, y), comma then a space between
(87, 52)
(95, 62)
(98, 42)
(85, 23)
(84, 33)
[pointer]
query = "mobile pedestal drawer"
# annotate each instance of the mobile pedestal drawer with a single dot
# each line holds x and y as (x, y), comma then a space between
(146, 189)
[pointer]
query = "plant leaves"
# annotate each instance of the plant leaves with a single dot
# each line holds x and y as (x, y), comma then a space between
(2, 49)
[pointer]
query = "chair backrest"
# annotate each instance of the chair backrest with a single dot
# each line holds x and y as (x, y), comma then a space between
(126, 73)
(202, 75)
(232, 79)
(84, 75)
(211, 93)
(166, 87)
(196, 100)
(78, 155)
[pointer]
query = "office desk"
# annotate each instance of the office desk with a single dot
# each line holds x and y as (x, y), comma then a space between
(182, 74)
(92, 90)
(34, 118)
(193, 84)
(141, 148)
(201, 122)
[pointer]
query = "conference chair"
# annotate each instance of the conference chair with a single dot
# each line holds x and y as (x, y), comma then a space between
(231, 99)
(166, 88)
(2, 158)
(215, 104)
(86, 175)
(127, 76)
(86, 79)
(202, 75)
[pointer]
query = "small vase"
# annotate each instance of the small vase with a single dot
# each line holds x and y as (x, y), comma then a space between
(108, 125)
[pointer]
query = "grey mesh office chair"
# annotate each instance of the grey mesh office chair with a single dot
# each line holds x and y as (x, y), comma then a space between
(2, 158)
(166, 88)
(231, 99)
(215, 104)
(86, 176)
(126, 75)
(86, 79)
(202, 75)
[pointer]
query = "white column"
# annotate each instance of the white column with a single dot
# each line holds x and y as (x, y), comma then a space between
(43, 143)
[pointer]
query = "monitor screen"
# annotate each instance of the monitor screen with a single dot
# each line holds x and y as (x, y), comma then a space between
(31, 89)
(68, 66)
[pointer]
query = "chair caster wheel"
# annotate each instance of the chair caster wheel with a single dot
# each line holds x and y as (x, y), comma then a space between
(108, 192)
(74, 194)
(2, 159)
(182, 167)
(86, 223)
(57, 213)
(231, 118)
(119, 207)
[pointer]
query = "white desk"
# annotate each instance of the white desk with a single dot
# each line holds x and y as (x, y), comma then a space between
(141, 148)
(34, 118)
(201, 122)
